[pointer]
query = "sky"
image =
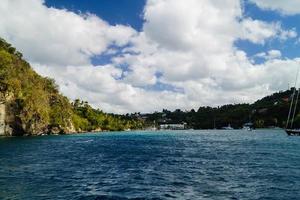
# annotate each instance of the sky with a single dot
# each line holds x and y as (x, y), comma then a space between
(145, 55)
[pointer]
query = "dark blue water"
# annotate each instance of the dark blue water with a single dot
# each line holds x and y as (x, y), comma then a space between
(152, 165)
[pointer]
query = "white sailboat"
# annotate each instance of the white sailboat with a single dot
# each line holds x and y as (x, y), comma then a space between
(289, 128)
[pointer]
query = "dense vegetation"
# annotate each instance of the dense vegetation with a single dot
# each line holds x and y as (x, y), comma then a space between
(270, 111)
(35, 106)
(87, 118)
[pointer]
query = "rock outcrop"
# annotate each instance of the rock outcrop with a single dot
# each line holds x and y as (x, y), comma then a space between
(2, 119)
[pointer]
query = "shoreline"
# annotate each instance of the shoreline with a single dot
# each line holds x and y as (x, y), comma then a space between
(99, 132)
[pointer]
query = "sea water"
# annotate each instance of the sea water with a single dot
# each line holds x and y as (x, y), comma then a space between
(232, 164)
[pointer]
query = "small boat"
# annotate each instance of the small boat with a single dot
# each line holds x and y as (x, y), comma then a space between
(293, 132)
(289, 128)
(227, 127)
(248, 126)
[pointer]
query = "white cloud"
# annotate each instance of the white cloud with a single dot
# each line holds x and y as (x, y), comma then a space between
(272, 54)
(99, 86)
(55, 36)
(286, 7)
(258, 31)
(286, 34)
(186, 45)
(180, 25)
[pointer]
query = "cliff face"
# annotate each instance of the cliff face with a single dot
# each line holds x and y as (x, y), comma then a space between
(14, 120)
(2, 119)
(11, 124)
(29, 103)
(7, 117)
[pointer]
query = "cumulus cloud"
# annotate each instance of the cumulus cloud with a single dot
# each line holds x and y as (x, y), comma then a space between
(55, 36)
(258, 31)
(99, 86)
(185, 25)
(186, 46)
(286, 7)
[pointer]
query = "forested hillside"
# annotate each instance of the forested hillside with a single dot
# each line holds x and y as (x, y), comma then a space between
(33, 105)
(270, 111)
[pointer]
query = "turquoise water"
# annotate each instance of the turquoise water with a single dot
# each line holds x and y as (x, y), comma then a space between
(264, 164)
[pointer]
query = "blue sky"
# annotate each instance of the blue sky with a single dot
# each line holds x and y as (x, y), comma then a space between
(127, 12)
(147, 55)
(289, 49)
(113, 11)
(130, 12)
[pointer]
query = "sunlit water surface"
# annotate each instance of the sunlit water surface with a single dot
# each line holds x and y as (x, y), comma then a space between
(263, 164)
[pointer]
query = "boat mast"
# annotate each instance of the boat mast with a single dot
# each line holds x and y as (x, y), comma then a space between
(291, 106)
(292, 122)
(214, 123)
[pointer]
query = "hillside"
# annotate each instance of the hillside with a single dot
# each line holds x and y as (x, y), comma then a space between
(32, 105)
(270, 111)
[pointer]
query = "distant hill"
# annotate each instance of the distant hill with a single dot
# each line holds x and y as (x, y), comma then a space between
(32, 105)
(270, 111)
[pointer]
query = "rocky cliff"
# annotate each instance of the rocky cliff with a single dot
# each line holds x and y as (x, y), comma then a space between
(29, 104)
(2, 119)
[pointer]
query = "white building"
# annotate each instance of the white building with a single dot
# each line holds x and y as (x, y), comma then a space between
(173, 126)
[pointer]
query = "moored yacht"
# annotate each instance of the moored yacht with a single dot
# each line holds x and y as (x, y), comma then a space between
(227, 127)
(248, 126)
(289, 128)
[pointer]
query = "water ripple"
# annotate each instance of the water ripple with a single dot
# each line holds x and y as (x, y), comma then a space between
(152, 165)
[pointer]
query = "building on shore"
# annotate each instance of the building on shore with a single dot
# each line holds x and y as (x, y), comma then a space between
(181, 126)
